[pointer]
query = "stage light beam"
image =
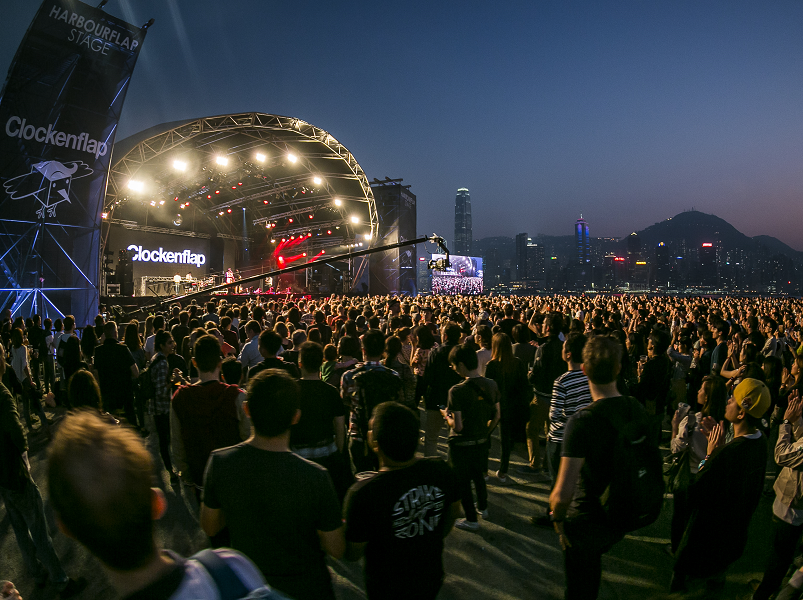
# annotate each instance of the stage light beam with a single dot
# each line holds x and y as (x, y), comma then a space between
(179, 165)
(222, 161)
(136, 186)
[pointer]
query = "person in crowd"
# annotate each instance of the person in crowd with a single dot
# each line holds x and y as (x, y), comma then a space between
(158, 325)
(133, 342)
(211, 314)
(231, 371)
(655, 380)
(388, 522)
(424, 343)
(205, 416)
(117, 371)
(320, 434)
(23, 501)
(29, 393)
(249, 353)
(587, 469)
(362, 388)
(181, 329)
(89, 341)
(159, 405)
(322, 327)
(270, 346)
(439, 377)
(472, 413)
(68, 351)
(329, 362)
(483, 340)
(787, 510)
(281, 510)
(570, 393)
(515, 395)
(726, 492)
(548, 365)
(229, 336)
(38, 346)
(522, 348)
(84, 391)
(721, 331)
(393, 360)
(687, 432)
(99, 479)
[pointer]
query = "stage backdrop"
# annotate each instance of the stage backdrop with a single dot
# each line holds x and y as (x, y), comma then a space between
(59, 110)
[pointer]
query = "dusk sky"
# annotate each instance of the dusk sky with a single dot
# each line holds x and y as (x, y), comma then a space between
(626, 112)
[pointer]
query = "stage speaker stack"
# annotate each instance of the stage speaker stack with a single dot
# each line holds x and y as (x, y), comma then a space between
(125, 274)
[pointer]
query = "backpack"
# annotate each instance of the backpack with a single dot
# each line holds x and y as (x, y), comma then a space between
(635, 495)
(68, 352)
(228, 583)
(145, 381)
(374, 386)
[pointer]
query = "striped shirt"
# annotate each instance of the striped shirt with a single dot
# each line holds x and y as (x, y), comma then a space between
(570, 393)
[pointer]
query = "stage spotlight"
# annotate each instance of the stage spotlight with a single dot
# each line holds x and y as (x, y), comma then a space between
(273, 241)
(161, 202)
(338, 202)
(217, 191)
(368, 236)
(355, 219)
(261, 157)
(135, 185)
(222, 161)
(317, 180)
(179, 165)
(153, 202)
(104, 215)
(290, 219)
(310, 216)
(329, 232)
(292, 158)
(228, 210)
(221, 212)
(177, 221)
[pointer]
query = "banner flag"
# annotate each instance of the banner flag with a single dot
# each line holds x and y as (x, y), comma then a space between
(59, 110)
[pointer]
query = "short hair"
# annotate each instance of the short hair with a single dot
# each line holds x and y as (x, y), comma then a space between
(485, 335)
(270, 341)
(232, 370)
(253, 326)
(99, 481)
(69, 323)
(373, 342)
(273, 399)
(465, 354)
(158, 322)
(602, 359)
(575, 342)
(394, 428)
(453, 333)
(330, 352)
(348, 346)
(310, 356)
(660, 341)
(225, 322)
(160, 339)
(109, 328)
(183, 317)
(207, 353)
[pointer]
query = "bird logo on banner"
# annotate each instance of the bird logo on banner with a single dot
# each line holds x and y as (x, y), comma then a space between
(49, 182)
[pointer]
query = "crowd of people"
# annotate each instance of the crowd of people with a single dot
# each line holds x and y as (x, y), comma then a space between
(296, 426)
(450, 285)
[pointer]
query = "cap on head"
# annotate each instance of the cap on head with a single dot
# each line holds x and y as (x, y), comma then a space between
(753, 396)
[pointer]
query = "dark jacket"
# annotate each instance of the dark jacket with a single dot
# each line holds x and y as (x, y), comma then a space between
(439, 377)
(653, 386)
(13, 472)
(548, 365)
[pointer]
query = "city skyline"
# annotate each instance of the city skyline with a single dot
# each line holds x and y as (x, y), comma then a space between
(626, 112)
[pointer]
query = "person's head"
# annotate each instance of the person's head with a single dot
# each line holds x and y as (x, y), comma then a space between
(721, 329)
(373, 344)
(270, 342)
(330, 353)
(602, 359)
(110, 330)
(749, 353)
(231, 370)
(393, 432)
(713, 397)
(225, 323)
(163, 342)
(425, 338)
(207, 354)
(573, 347)
(502, 351)
(158, 322)
(657, 343)
(348, 347)
(299, 337)
(131, 337)
(484, 336)
(554, 324)
(210, 308)
(452, 334)
(252, 328)
(183, 317)
(521, 334)
(750, 400)
(69, 324)
(272, 402)
(83, 390)
(463, 359)
(310, 357)
(99, 483)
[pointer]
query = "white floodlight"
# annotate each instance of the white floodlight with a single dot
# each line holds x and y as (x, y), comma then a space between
(161, 202)
(292, 158)
(338, 202)
(135, 185)
(222, 161)
(368, 236)
(179, 165)
(355, 219)
(261, 157)
(317, 180)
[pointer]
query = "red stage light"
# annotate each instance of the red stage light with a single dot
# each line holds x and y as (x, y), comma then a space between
(329, 232)
(264, 202)
(323, 251)
(234, 187)
(228, 211)
(310, 216)
(240, 183)
(175, 199)
(303, 254)
(217, 191)
(187, 203)
(209, 196)
(291, 220)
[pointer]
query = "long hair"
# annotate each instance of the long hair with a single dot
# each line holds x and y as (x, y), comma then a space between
(393, 347)
(502, 352)
(131, 337)
(716, 397)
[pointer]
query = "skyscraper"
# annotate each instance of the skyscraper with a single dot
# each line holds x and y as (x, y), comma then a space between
(462, 223)
(521, 256)
(582, 242)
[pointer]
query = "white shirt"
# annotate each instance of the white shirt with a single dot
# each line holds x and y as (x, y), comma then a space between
(198, 583)
(149, 343)
(249, 354)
